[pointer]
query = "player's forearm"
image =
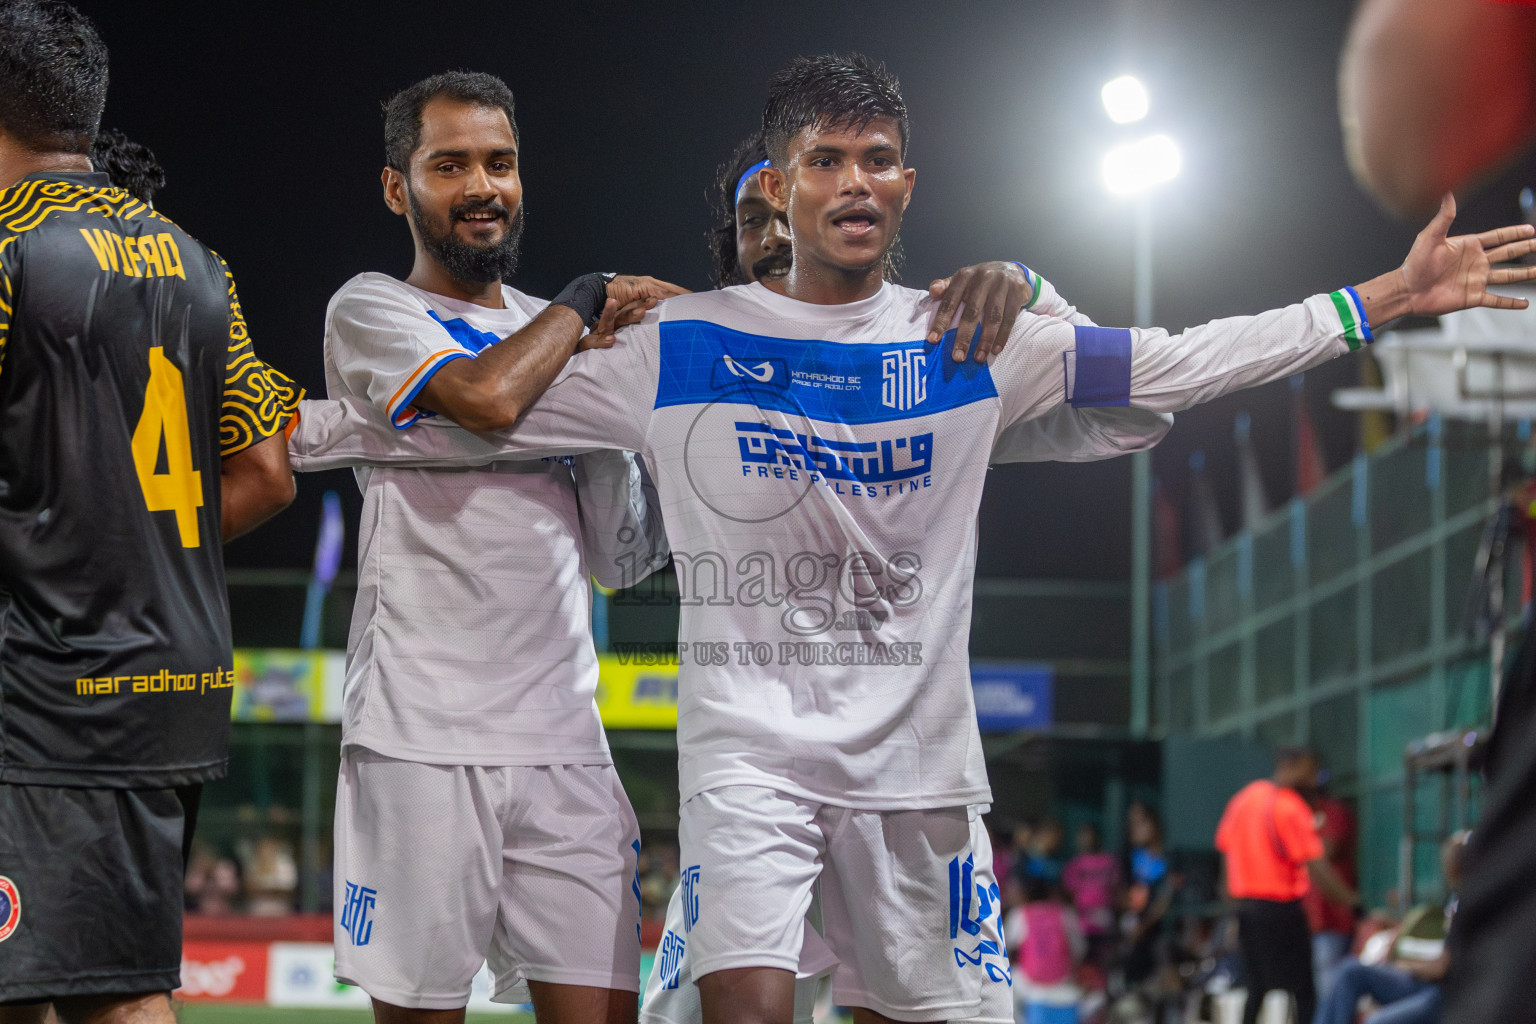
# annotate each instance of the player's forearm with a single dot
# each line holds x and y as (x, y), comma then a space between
(350, 433)
(1435, 92)
(492, 390)
(254, 484)
(1172, 373)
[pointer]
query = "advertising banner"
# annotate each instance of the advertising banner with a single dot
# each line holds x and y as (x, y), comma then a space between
(234, 971)
(1013, 696)
(637, 689)
(277, 685)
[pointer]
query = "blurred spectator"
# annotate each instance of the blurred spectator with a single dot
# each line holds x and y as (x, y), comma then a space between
(1332, 922)
(1049, 943)
(1273, 854)
(1407, 986)
(1018, 858)
(1043, 857)
(1436, 94)
(212, 885)
(658, 874)
(1148, 895)
(271, 878)
(1092, 878)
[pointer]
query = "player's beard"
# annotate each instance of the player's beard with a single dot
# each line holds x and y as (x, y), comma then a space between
(464, 262)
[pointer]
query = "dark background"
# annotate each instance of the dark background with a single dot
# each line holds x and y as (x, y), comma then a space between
(266, 117)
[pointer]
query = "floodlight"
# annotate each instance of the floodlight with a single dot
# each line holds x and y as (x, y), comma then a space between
(1134, 167)
(1125, 99)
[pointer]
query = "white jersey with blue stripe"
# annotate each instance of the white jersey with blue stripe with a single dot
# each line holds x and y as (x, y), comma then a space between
(471, 640)
(820, 470)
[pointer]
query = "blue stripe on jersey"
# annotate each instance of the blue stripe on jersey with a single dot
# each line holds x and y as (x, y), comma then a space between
(704, 363)
(1103, 367)
(465, 333)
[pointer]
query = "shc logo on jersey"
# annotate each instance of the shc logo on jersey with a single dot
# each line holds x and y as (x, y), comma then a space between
(670, 953)
(903, 378)
(357, 913)
(690, 897)
(968, 894)
(10, 908)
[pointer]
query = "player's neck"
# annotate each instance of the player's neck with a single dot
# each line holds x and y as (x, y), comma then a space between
(430, 276)
(16, 162)
(810, 280)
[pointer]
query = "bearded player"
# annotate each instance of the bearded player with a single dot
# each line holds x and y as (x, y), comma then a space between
(478, 814)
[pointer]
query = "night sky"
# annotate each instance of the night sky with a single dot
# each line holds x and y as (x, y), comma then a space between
(266, 118)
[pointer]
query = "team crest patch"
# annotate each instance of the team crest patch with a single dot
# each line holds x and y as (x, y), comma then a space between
(10, 908)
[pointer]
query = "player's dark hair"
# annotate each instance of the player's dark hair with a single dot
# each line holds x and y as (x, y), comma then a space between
(402, 111)
(725, 269)
(831, 92)
(130, 165)
(53, 76)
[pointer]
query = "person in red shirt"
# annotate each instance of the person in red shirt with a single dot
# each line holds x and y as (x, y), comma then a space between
(1273, 855)
(1332, 922)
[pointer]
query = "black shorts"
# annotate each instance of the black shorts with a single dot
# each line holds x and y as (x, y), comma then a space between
(90, 890)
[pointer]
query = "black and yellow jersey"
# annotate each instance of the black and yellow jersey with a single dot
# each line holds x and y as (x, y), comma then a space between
(126, 374)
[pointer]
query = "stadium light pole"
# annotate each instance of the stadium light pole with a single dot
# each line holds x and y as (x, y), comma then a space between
(1133, 170)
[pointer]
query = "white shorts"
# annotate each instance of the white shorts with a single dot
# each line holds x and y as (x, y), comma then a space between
(440, 868)
(902, 907)
(672, 997)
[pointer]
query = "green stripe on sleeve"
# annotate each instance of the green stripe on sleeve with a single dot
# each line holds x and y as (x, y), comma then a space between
(1352, 335)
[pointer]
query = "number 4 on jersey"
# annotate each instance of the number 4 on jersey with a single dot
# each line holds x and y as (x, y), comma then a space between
(180, 488)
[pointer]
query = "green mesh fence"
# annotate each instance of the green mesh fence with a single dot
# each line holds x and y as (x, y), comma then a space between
(1341, 621)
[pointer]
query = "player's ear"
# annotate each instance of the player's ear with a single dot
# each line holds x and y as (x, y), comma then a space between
(394, 191)
(910, 174)
(775, 187)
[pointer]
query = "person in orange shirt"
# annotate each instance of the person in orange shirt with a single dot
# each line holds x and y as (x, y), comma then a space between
(1273, 854)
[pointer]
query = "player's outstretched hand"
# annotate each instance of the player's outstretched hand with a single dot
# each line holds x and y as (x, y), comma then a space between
(1444, 273)
(991, 294)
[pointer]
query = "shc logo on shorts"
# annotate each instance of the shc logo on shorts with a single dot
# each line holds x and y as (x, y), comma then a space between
(970, 896)
(10, 908)
(690, 897)
(670, 953)
(357, 913)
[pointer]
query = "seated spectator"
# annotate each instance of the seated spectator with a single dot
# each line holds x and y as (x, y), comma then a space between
(271, 878)
(1091, 878)
(1407, 986)
(212, 885)
(1048, 942)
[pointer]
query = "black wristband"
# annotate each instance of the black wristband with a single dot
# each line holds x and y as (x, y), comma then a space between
(586, 295)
